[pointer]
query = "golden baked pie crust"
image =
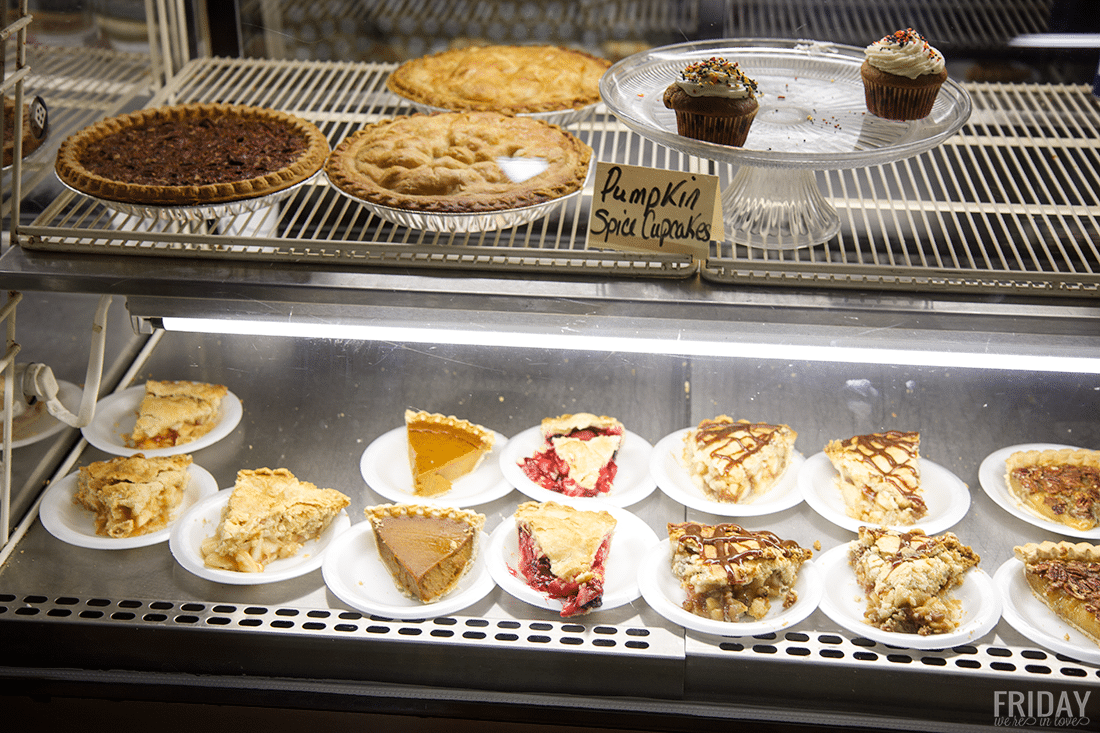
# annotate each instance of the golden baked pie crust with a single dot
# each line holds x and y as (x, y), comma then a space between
(175, 413)
(1074, 506)
(1065, 576)
(507, 79)
(568, 537)
(448, 163)
(879, 476)
(133, 495)
(72, 170)
(732, 461)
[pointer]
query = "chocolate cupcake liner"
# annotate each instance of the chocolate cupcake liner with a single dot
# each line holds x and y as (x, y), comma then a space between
(900, 103)
(715, 129)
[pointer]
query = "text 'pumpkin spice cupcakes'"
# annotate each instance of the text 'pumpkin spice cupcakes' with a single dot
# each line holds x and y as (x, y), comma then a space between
(902, 75)
(714, 101)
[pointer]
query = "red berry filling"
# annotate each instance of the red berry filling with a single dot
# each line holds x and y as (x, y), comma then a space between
(577, 598)
(551, 471)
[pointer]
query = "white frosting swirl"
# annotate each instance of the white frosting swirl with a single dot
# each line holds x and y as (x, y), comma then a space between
(716, 77)
(904, 53)
(732, 90)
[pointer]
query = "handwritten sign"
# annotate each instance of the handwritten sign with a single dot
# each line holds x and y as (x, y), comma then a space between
(640, 209)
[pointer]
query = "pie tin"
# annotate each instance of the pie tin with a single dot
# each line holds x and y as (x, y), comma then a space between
(560, 117)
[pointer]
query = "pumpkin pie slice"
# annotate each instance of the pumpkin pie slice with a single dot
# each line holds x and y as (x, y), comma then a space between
(133, 495)
(1061, 485)
(443, 449)
(578, 454)
(733, 461)
(426, 549)
(175, 413)
(880, 476)
(1066, 577)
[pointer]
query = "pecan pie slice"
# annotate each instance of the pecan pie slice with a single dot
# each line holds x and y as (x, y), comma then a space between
(1062, 485)
(578, 455)
(133, 495)
(734, 461)
(191, 154)
(880, 476)
(1066, 577)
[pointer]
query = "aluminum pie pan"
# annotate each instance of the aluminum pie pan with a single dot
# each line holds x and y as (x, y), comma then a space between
(560, 117)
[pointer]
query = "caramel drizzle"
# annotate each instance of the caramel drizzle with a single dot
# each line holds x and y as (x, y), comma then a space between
(876, 445)
(726, 537)
(718, 436)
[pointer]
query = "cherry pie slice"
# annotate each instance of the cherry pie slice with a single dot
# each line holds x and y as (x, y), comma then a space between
(578, 455)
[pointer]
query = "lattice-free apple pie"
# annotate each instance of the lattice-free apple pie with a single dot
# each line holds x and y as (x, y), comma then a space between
(133, 495)
(175, 413)
(577, 457)
(269, 516)
(735, 460)
(880, 476)
(1062, 485)
(1066, 577)
(461, 162)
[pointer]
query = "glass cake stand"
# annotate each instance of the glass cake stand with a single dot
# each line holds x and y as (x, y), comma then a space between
(812, 117)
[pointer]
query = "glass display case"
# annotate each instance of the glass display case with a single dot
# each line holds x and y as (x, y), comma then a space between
(953, 295)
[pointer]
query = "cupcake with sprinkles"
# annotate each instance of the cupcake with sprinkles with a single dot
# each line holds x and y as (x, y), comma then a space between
(902, 75)
(713, 101)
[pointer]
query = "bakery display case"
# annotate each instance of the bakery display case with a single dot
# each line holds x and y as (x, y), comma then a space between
(954, 297)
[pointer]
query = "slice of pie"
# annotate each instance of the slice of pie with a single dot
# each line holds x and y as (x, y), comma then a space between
(563, 553)
(1066, 577)
(133, 495)
(735, 461)
(908, 578)
(880, 476)
(191, 154)
(502, 78)
(443, 449)
(728, 571)
(460, 162)
(269, 516)
(426, 549)
(1062, 485)
(577, 457)
(175, 413)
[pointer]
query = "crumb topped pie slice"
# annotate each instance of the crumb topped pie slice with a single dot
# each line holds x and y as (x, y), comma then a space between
(734, 461)
(443, 449)
(1066, 577)
(563, 552)
(426, 549)
(174, 413)
(880, 476)
(133, 495)
(908, 576)
(728, 571)
(578, 454)
(1062, 485)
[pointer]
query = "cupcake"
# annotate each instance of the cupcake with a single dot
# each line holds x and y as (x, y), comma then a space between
(713, 101)
(902, 75)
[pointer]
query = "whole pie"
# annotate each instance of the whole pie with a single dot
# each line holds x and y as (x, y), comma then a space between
(734, 461)
(443, 449)
(880, 476)
(1062, 485)
(563, 552)
(175, 413)
(133, 495)
(728, 571)
(577, 457)
(508, 79)
(191, 154)
(460, 162)
(426, 549)
(1066, 577)
(908, 578)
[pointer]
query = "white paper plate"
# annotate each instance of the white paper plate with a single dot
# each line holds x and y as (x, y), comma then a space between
(662, 591)
(632, 539)
(945, 494)
(385, 468)
(116, 414)
(991, 475)
(667, 469)
(633, 481)
(844, 602)
(37, 424)
(201, 522)
(356, 575)
(1032, 618)
(72, 523)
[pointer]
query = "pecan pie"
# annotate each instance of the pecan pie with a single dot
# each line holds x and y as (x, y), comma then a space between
(733, 461)
(443, 449)
(174, 413)
(459, 162)
(880, 476)
(508, 79)
(578, 454)
(191, 154)
(426, 549)
(908, 576)
(728, 571)
(1062, 485)
(1066, 577)
(133, 495)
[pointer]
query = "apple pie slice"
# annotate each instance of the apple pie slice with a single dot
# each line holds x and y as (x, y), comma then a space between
(133, 495)
(728, 571)
(174, 413)
(734, 461)
(1066, 577)
(880, 476)
(563, 552)
(1062, 485)
(578, 455)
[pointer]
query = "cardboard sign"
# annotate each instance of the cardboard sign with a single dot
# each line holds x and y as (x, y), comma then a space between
(640, 209)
